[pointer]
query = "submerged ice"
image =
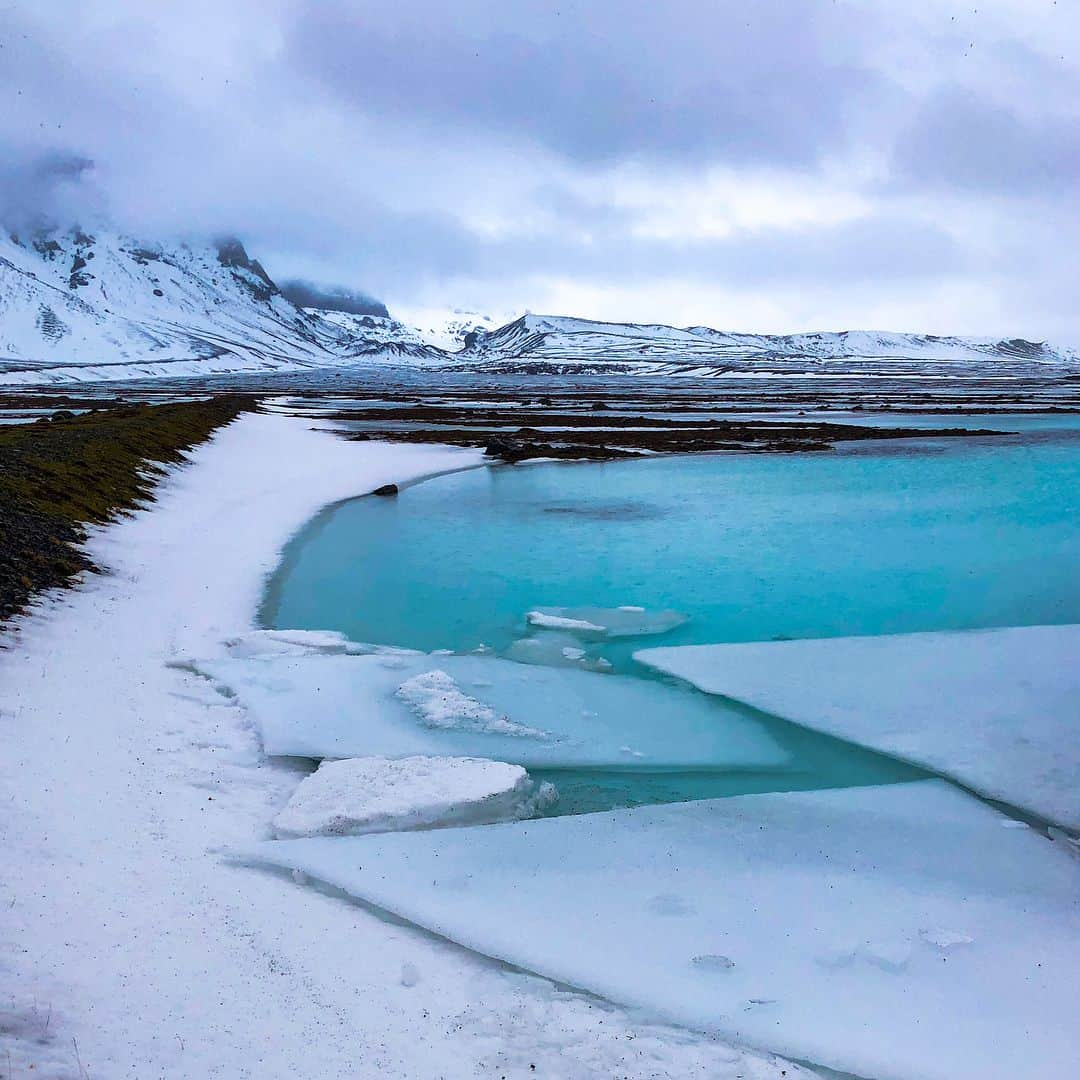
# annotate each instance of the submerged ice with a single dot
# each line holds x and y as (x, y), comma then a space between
(396, 704)
(996, 709)
(894, 931)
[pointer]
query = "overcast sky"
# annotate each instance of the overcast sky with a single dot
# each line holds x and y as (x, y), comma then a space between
(763, 165)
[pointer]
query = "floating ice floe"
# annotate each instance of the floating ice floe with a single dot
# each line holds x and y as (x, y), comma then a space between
(599, 622)
(999, 710)
(893, 931)
(563, 622)
(363, 795)
(401, 704)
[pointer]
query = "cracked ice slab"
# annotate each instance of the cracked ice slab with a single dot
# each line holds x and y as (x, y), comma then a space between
(362, 795)
(893, 931)
(400, 704)
(999, 710)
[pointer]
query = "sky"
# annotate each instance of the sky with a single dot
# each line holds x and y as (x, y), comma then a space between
(763, 165)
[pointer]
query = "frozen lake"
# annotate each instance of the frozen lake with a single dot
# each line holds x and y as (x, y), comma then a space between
(876, 540)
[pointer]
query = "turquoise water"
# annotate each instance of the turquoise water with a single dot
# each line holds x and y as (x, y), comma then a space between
(752, 547)
(877, 539)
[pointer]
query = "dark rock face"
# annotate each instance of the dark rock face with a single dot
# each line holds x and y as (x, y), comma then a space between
(77, 277)
(386, 491)
(305, 294)
(50, 325)
(47, 249)
(231, 253)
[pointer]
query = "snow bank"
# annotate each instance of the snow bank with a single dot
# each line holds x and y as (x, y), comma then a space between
(127, 936)
(363, 795)
(996, 709)
(441, 703)
(404, 704)
(893, 932)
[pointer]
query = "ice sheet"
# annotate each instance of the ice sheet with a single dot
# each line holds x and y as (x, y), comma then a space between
(350, 706)
(364, 795)
(998, 710)
(895, 931)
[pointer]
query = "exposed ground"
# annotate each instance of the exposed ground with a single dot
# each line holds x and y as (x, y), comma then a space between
(530, 432)
(59, 475)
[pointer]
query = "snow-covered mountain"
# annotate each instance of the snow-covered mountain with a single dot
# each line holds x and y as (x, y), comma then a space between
(536, 342)
(82, 307)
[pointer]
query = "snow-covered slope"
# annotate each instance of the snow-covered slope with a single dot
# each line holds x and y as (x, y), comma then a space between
(75, 306)
(544, 342)
(450, 328)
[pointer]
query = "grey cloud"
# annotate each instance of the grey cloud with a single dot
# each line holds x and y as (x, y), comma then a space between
(389, 147)
(770, 81)
(43, 188)
(961, 143)
(881, 249)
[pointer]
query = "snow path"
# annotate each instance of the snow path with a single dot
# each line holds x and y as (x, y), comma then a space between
(128, 946)
(998, 709)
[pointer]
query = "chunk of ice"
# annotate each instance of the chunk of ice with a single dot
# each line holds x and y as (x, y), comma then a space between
(287, 643)
(349, 706)
(266, 643)
(894, 931)
(362, 795)
(996, 709)
(599, 622)
(563, 622)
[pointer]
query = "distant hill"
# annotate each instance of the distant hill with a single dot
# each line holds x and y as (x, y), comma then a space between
(545, 343)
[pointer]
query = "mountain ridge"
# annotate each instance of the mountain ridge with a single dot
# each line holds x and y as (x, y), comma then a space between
(561, 340)
(80, 306)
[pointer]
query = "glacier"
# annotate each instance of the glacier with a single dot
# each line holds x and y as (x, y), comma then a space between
(398, 704)
(892, 932)
(999, 709)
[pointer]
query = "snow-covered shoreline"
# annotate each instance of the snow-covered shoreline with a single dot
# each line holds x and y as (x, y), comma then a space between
(131, 947)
